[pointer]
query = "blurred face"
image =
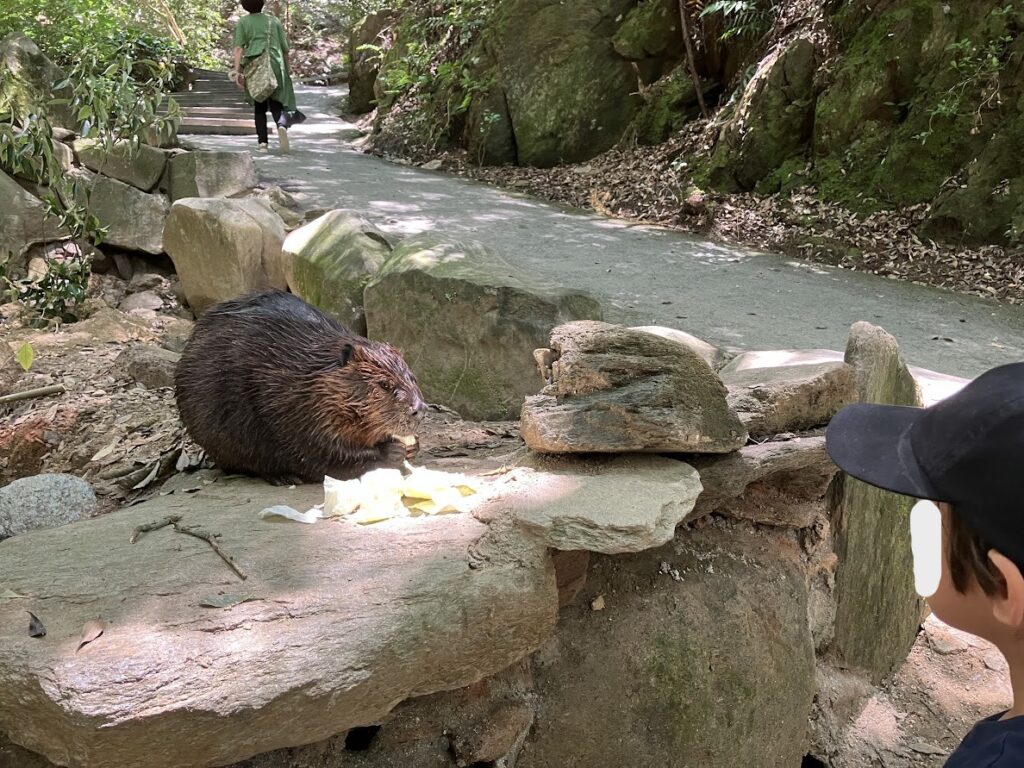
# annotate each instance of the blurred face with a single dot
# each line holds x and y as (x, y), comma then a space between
(971, 611)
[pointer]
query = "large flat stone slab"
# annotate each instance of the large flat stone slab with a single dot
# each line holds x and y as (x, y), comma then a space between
(347, 621)
(622, 504)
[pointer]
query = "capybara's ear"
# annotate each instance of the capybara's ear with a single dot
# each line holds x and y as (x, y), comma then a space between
(346, 354)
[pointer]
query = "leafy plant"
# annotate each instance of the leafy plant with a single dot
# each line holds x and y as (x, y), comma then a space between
(977, 70)
(115, 103)
(25, 356)
(749, 19)
(435, 68)
(58, 292)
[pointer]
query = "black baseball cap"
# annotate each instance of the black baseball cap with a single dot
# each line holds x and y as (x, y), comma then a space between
(967, 450)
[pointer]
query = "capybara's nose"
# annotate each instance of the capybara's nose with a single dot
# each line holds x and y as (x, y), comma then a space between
(418, 410)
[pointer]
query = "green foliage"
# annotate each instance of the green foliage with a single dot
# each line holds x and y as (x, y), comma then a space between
(65, 30)
(25, 356)
(977, 69)
(58, 292)
(115, 102)
(749, 19)
(434, 65)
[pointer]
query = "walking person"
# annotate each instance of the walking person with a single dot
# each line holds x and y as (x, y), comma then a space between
(255, 33)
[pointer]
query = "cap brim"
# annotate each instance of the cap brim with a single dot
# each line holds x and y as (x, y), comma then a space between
(872, 443)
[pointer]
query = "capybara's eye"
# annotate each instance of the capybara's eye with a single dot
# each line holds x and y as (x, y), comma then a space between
(385, 386)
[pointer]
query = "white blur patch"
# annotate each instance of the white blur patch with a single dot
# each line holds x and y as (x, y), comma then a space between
(926, 546)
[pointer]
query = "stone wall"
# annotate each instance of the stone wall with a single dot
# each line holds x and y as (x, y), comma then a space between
(677, 600)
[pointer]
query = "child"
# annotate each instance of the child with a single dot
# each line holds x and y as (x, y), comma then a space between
(967, 454)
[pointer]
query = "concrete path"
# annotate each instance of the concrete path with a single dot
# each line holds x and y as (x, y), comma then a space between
(730, 296)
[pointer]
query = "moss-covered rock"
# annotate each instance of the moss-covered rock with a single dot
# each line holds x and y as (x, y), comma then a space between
(468, 322)
(715, 669)
(569, 95)
(651, 29)
(364, 56)
(773, 120)
(27, 80)
(329, 262)
(905, 109)
(670, 103)
(988, 206)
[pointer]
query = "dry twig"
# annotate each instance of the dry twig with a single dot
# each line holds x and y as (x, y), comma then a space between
(28, 394)
(691, 61)
(154, 526)
(210, 538)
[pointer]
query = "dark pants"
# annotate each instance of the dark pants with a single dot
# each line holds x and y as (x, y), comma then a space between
(261, 117)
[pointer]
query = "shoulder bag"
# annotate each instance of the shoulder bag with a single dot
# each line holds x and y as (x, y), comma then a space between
(260, 80)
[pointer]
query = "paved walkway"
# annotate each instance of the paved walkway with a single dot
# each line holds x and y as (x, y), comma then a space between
(646, 276)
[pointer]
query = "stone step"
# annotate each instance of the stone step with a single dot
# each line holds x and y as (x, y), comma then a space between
(200, 125)
(243, 111)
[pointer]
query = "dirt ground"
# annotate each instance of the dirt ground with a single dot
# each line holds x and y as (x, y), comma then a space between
(949, 682)
(126, 439)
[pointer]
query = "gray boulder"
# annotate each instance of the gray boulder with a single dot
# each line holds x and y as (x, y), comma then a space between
(364, 63)
(614, 390)
(877, 608)
(711, 354)
(27, 80)
(700, 655)
(209, 174)
(141, 166)
(43, 501)
(622, 504)
(148, 364)
(468, 322)
(772, 392)
(222, 249)
(322, 644)
(134, 219)
(23, 221)
(773, 483)
(330, 261)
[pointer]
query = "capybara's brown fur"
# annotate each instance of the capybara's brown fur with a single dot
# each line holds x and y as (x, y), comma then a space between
(270, 386)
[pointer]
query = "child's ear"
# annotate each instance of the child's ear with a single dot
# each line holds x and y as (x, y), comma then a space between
(1008, 603)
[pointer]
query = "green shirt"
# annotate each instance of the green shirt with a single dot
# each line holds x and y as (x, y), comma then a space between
(260, 32)
(256, 31)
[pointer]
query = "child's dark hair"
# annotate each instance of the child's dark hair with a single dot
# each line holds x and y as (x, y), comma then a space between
(252, 6)
(968, 558)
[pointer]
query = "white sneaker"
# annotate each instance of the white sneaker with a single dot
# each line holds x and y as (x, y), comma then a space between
(282, 138)
(262, 147)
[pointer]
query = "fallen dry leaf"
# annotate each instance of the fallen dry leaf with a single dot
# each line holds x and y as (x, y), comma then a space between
(35, 626)
(90, 632)
(224, 601)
